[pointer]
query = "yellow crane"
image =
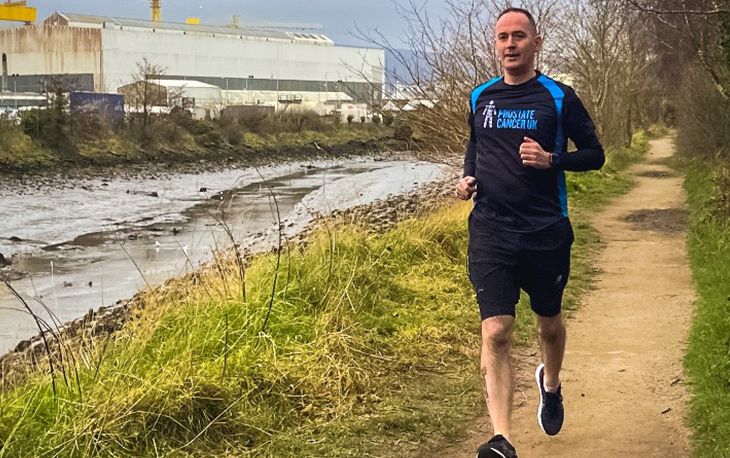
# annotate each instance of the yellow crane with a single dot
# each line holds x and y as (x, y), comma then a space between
(156, 11)
(17, 11)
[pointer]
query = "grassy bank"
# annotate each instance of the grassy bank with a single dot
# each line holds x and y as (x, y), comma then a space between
(708, 358)
(55, 140)
(362, 345)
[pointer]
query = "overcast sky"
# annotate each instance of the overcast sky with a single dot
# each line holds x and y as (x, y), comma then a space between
(338, 17)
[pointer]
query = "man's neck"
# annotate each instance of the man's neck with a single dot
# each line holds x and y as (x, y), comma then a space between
(519, 78)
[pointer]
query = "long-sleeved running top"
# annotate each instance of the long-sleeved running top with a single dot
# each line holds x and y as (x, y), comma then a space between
(510, 195)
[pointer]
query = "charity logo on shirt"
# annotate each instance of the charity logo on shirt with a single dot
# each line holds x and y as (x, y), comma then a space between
(488, 113)
(516, 119)
(509, 119)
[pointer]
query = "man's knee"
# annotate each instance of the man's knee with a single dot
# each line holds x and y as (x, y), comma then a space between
(497, 331)
(551, 328)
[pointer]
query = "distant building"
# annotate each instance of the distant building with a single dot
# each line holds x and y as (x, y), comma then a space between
(12, 102)
(404, 97)
(204, 100)
(100, 54)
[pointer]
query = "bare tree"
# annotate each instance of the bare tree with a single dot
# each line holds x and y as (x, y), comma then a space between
(445, 59)
(692, 38)
(145, 90)
(602, 46)
(605, 52)
(694, 29)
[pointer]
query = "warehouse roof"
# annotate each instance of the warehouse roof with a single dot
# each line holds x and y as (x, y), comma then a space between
(180, 83)
(249, 31)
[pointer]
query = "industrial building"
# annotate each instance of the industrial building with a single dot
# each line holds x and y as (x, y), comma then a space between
(201, 98)
(250, 66)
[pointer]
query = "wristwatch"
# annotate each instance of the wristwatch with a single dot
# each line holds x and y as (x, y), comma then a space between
(554, 159)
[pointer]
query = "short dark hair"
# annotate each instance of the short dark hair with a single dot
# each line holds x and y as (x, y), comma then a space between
(521, 11)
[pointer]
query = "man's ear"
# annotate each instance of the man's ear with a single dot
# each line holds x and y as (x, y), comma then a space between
(538, 43)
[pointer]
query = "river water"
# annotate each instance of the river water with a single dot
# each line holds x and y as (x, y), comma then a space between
(83, 244)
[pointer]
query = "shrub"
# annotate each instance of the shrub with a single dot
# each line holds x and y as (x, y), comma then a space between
(703, 118)
(51, 126)
(719, 203)
(89, 127)
(403, 131)
(287, 122)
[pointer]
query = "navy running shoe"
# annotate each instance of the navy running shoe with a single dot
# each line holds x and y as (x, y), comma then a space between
(497, 447)
(550, 414)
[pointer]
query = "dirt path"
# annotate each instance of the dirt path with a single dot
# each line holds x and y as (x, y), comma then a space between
(623, 382)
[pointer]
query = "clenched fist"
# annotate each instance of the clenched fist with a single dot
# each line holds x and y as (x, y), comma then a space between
(466, 188)
(533, 155)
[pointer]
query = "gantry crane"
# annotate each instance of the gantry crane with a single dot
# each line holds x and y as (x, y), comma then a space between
(156, 11)
(17, 11)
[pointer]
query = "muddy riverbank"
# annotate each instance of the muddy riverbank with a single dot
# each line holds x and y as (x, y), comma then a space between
(88, 330)
(42, 165)
(166, 162)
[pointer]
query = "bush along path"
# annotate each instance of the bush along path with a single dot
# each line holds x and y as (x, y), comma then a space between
(623, 382)
(362, 344)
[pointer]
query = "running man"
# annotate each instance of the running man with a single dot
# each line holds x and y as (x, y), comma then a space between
(519, 232)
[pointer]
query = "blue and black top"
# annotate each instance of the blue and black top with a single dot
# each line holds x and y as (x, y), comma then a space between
(510, 195)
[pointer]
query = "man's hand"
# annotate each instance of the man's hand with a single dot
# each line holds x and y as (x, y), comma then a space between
(466, 188)
(533, 155)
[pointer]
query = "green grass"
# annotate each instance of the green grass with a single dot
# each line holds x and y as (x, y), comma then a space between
(17, 150)
(708, 355)
(371, 349)
(353, 323)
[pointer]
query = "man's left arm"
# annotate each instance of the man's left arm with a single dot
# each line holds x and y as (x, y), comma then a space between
(580, 129)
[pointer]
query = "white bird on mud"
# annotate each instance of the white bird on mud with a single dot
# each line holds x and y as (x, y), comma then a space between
(185, 249)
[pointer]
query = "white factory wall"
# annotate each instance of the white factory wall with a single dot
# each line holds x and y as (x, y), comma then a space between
(53, 50)
(318, 102)
(231, 56)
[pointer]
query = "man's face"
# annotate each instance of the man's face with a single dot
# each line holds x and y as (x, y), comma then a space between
(516, 42)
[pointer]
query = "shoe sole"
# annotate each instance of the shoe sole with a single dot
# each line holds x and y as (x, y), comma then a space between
(539, 390)
(497, 452)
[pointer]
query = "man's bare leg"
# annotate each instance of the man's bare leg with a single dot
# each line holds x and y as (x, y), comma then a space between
(497, 370)
(552, 348)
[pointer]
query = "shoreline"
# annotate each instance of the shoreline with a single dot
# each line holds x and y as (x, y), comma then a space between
(378, 216)
(167, 160)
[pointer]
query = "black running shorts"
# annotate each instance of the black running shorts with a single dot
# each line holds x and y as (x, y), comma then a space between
(503, 262)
